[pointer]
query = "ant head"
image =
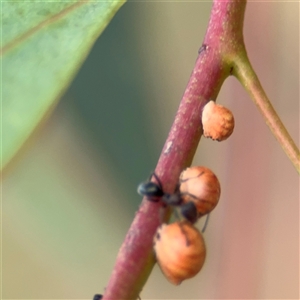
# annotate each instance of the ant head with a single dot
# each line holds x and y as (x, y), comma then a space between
(97, 297)
(150, 189)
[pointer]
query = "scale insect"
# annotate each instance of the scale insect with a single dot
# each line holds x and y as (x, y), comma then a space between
(180, 251)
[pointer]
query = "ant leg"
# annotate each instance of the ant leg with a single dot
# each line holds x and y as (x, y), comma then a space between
(177, 216)
(186, 237)
(184, 180)
(206, 223)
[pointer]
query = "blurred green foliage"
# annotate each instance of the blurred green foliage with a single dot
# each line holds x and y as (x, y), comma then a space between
(43, 45)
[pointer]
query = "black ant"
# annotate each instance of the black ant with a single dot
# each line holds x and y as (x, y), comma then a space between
(154, 192)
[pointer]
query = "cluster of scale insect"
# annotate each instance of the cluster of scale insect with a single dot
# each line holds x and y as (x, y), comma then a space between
(179, 247)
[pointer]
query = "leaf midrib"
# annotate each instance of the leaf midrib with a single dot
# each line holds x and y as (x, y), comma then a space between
(54, 18)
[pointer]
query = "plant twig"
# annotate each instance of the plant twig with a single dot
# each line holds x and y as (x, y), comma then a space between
(248, 78)
(136, 259)
(222, 54)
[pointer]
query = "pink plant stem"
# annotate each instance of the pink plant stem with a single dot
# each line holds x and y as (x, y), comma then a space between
(136, 258)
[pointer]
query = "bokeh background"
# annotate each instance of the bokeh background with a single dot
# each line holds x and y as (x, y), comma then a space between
(70, 196)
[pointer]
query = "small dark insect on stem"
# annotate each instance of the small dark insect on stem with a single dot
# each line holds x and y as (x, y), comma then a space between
(99, 297)
(155, 193)
(202, 48)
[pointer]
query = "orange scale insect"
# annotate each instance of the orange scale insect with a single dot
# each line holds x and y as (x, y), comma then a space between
(217, 121)
(201, 186)
(180, 251)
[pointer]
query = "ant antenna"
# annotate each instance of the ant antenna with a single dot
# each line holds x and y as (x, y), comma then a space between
(157, 179)
(206, 223)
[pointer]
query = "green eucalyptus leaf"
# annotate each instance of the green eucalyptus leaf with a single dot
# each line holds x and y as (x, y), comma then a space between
(43, 46)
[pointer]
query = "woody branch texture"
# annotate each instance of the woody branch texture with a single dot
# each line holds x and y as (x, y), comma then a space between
(222, 45)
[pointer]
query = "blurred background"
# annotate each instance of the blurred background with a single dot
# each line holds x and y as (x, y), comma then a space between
(70, 196)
